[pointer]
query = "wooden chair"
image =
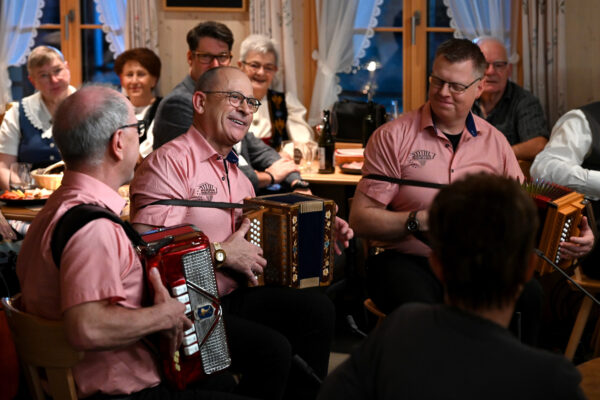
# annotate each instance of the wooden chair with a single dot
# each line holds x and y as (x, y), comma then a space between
(42, 346)
(372, 308)
(590, 376)
(592, 286)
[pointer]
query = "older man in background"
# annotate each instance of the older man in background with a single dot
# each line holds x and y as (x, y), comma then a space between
(513, 110)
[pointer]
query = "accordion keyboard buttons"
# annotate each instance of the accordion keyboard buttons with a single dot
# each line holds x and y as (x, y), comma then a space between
(190, 331)
(188, 340)
(178, 290)
(255, 232)
(190, 350)
(184, 298)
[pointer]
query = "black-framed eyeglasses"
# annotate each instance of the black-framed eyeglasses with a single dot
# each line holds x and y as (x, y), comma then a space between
(454, 87)
(236, 99)
(207, 58)
(140, 125)
(498, 65)
(254, 66)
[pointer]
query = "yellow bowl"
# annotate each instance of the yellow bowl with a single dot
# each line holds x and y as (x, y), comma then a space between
(46, 181)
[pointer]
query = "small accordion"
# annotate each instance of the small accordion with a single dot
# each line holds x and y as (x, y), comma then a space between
(182, 256)
(559, 210)
(295, 232)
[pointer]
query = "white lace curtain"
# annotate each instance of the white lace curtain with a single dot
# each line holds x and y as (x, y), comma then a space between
(273, 18)
(113, 16)
(544, 54)
(142, 25)
(18, 30)
(474, 18)
(335, 25)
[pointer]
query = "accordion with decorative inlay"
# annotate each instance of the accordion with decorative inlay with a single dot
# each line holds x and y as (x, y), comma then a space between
(295, 232)
(560, 210)
(182, 256)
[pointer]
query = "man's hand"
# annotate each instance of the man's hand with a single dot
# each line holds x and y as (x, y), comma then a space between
(243, 256)
(172, 309)
(342, 235)
(282, 168)
(578, 246)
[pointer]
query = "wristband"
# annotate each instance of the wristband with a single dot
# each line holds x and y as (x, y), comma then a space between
(272, 177)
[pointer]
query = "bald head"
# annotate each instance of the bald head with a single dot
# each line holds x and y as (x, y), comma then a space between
(499, 69)
(85, 122)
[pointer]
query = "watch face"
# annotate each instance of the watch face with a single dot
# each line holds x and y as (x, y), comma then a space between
(219, 256)
(412, 225)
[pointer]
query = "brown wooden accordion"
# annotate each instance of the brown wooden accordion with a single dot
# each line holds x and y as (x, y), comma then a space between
(295, 232)
(560, 211)
(182, 256)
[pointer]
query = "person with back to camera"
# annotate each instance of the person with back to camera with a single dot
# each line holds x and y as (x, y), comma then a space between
(482, 254)
(139, 71)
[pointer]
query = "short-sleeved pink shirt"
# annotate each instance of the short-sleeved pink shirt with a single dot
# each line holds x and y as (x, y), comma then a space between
(98, 263)
(189, 168)
(410, 147)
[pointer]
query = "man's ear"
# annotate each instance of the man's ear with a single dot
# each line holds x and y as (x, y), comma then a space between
(190, 57)
(116, 146)
(199, 102)
(436, 267)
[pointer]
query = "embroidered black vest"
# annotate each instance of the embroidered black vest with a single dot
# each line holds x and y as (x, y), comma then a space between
(592, 114)
(34, 149)
(279, 114)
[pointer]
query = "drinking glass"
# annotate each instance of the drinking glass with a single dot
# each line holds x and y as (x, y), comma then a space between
(307, 153)
(20, 176)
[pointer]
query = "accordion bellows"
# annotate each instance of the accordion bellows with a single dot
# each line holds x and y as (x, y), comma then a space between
(295, 232)
(559, 210)
(182, 256)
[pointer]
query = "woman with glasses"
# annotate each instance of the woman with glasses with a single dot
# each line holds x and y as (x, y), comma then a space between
(281, 117)
(26, 131)
(139, 71)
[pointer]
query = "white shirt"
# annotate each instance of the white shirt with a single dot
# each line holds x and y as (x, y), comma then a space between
(560, 161)
(298, 130)
(35, 111)
(146, 145)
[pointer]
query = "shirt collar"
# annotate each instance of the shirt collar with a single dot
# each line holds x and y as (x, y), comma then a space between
(427, 120)
(232, 157)
(206, 151)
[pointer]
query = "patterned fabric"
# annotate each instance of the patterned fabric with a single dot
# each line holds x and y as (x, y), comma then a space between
(518, 114)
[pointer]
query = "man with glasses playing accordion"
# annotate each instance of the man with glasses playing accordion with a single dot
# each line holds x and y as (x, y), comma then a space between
(268, 328)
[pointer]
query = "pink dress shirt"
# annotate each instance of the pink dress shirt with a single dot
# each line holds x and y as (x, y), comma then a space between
(410, 147)
(98, 263)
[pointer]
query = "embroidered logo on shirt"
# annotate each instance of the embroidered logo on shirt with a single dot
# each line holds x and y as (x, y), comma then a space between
(419, 158)
(205, 191)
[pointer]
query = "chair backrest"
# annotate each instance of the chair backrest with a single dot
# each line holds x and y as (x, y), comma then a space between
(42, 345)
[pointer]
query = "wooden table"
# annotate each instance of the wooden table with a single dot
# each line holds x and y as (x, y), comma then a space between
(337, 178)
(26, 214)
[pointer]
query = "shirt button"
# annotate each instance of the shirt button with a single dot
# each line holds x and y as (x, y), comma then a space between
(51, 158)
(219, 158)
(51, 145)
(447, 145)
(452, 170)
(223, 178)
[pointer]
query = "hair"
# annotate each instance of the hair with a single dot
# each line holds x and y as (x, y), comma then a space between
(458, 50)
(482, 230)
(260, 44)
(215, 30)
(146, 57)
(41, 56)
(209, 80)
(86, 120)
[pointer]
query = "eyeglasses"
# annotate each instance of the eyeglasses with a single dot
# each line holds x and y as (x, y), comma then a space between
(498, 65)
(236, 99)
(140, 125)
(254, 66)
(207, 58)
(454, 87)
(45, 76)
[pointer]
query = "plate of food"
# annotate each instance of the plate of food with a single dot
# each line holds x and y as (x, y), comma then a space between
(24, 198)
(354, 167)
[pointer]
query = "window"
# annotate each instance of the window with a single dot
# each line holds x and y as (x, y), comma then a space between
(402, 50)
(73, 27)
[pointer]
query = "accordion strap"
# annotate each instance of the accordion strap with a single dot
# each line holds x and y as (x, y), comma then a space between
(79, 216)
(409, 182)
(201, 203)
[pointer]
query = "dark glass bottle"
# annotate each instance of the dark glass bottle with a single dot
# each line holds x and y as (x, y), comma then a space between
(326, 147)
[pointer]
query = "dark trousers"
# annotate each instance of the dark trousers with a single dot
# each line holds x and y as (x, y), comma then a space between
(267, 327)
(395, 278)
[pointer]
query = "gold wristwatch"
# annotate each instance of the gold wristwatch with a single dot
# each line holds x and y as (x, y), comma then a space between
(220, 255)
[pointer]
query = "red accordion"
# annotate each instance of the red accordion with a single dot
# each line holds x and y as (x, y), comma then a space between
(295, 232)
(182, 256)
(559, 211)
